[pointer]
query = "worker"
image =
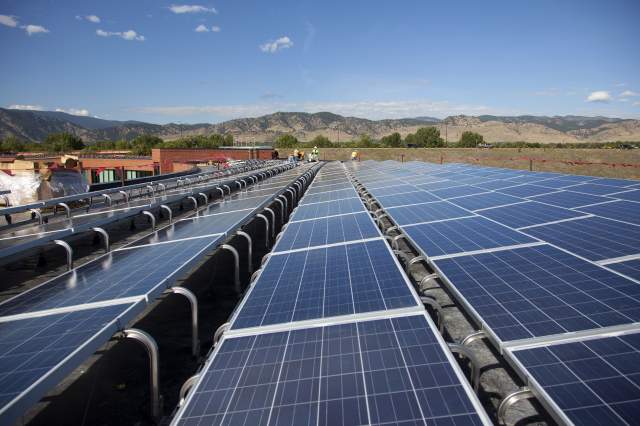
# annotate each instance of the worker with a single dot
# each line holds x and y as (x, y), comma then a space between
(296, 155)
(315, 154)
(354, 155)
(301, 155)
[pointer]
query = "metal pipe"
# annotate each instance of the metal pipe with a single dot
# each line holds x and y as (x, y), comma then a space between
(193, 301)
(67, 209)
(472, 337)
(266, 224)
(105, 238)
(195, 202)
(37, 214)
(514, 397)
(286, 203)
(206, 198)
(436, 306)
(219, 332)
(236, 260)
(69, 251)
(250, 249)
(125, 194)
(279, 201)
(228, 188)
(168, 210)
(108, 198)
(152, 190)
(152, 218)
(186, 387)
(273, 220)
(152, 351)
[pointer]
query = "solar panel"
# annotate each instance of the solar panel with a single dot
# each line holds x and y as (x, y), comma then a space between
(541, 291)
(118, 274)
(622, 183)
(329, 230)
(390, 190)
(484, 201)
(406, 198)
(528, 214)
(633, 195)
(426, 212)
(438, 185)
(626, 211)
(630, 268)
(316, 189)
(526, 190)
(326, 282)
(594, 381)
(594, 238)
(327, 208)
(569, 199)
(595, 189)
(463, 235)
(389, 371)
(36, 353)
(329, 196)
(457, 191)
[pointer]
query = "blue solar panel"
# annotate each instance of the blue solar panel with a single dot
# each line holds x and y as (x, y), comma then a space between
(329, 196)
(497, 184)
(329, 230)
(36, 353)
(569, 199)
(316, 189)
(328, 208)
(390, 371)
(626, 211)
(458, 191)
(594, 238)
(484, 201)
(438, 185)
(540, 291)
(526, 190)
(595, 189)
(406, 198)
(426, 212)
(628, 195)
(391, 190)
(622, 183)
(527, 214)
(121, 273)
(320, 283)
(630, 268)
(593, 382)
(462, 235)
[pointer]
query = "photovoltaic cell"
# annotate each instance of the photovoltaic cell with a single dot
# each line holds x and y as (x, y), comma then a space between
(426, 212)
(595, 189)
(457, 191)
(316, 189)
(541, 291)
(390, 371)
(630, 268)
(329, 230)
(626, 211)
(594, 238)
(627, 195)
(326, 282)
(595, 381)
(462, 235)
(328, 208)
(569, 199)
(485, 201)
(527, 214)
(526, 190)
(406, 198)
(329, 196)
(390, 190)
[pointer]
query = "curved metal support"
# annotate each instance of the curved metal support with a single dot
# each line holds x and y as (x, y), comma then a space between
(415, 260)
(239, 184)
(279, 201)
(293, 196)
(379, 219)
(266, 232)
(265, 258)
(105, 238)
(221, 190)
(422, 285)
(514, 397)
(152, 350)
(37, 214)
(438, 308)
(66, 208)
(472, 337)
(286, 203)
(473, 362)
(273, 220)
(404, 256)
(205, 196)
(391, 229)
(254, 276)
(164, 187)
(219, 332)
(186, 387)
(236, 260)
(394, 240)
(250, 249)
(69, 251)
(377, 212)
(152, 190)
(107, 197)
(193, 301)
(228, 188)
(195, 202)
(152, 218)
(168, 210)
(125, 195)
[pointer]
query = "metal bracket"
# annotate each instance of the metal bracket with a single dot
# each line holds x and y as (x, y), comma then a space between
(69, 251)
(152, 190)
(436, 306)
(193, 301)
(168, 210)
(286, 203)
(265, 258)
(404, 257)
(105, 238)
(219, 332)
(195, 202)
(125, 195)
(228, 188)
(37, 214)
(475, 367)
(66, 208)
(281, 204)
(236, 259)
(273, 220)
(254, 276)
(108, 198)
(422, 285)
(152, 350)
(186, 387)
(266, 224)
(152, 218)
(250, 249)
(472, 337)
(514, 397)
(394, 240)
(415, 260)
(221, 190)
(206, 198)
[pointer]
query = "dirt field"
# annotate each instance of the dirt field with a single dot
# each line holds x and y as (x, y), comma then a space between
(594, 162)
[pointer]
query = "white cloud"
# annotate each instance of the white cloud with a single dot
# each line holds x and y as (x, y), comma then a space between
(191, 8)
(127, 35)
(367, 109)
(273, 46)
(636, 104)
(628, 94)
(8, 20)
(73, 111)
(599, 96)
(215, 29)
(26, 107)
(93, 18)
(204, 29)
(34, 29)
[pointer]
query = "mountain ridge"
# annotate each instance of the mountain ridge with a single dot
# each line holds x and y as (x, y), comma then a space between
(34, 126)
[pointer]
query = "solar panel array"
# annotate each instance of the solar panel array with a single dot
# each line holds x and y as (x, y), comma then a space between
(331, 332)
(548, 264)
(47, 331)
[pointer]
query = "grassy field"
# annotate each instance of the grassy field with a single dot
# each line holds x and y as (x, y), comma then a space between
(595, 162)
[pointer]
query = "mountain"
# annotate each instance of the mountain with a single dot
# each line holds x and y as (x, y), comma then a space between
(36, 125)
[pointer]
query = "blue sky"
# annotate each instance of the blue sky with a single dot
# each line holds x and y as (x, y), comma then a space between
(203, 61)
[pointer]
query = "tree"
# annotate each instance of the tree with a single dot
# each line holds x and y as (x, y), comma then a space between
(12, 144)
(228, 140)
(321, 142)
(62, 142)
(142, 144)
(470, 140)
(427, 137)
(365, 141)
(286, 141)
(393, 140)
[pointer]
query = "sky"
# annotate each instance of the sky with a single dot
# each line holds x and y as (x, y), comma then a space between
(209, 61)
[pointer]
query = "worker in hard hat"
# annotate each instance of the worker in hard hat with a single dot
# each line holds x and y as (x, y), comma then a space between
(296, 155)
(315, 154)
(354, 155)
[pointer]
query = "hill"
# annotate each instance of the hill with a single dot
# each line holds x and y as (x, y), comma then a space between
(36, 125)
